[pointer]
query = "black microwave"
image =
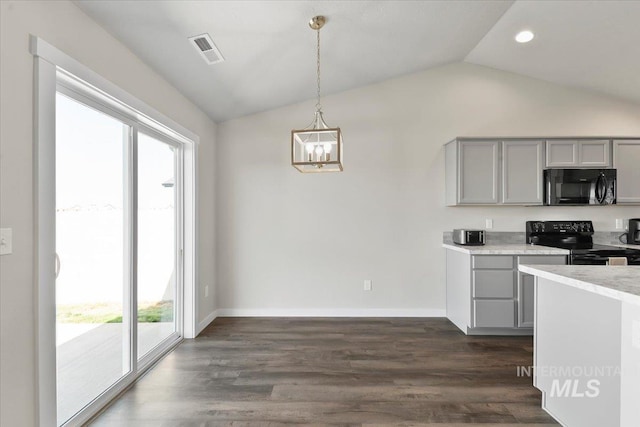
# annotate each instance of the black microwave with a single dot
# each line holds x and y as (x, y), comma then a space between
(579, 187)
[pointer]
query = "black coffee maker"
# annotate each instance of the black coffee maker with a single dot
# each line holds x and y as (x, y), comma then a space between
(633, 236)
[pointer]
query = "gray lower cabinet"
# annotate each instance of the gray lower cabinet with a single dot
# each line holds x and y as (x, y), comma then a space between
(492, 313)
(486, 295)
(526, 284)
(526, 295)
(626, 159)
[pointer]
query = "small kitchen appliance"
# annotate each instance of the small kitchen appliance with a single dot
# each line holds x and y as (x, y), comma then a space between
(633, 236)
(577, 237)
(468, 237)
(579, 187)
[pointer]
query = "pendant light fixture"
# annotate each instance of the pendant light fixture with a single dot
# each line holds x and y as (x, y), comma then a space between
(318, 147)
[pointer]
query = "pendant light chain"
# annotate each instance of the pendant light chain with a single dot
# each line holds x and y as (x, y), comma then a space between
(318, 147)
(318, 105)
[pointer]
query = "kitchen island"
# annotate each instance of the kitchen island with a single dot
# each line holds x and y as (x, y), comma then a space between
(587, 343)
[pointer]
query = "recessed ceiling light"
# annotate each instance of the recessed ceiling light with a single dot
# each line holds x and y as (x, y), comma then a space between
(524, 36)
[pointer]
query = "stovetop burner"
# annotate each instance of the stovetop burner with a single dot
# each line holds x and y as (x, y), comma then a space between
(577, 237)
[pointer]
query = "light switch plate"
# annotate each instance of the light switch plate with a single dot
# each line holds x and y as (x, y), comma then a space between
(367, 285)
(6, 241)
(488, 224)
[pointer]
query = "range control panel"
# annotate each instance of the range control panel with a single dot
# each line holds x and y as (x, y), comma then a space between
(553, 227)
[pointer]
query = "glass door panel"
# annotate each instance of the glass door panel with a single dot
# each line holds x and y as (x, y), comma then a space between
(92, 329)
(157, 237)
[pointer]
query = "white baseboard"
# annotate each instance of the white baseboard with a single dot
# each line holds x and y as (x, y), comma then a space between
(330, 312)
(206, 321)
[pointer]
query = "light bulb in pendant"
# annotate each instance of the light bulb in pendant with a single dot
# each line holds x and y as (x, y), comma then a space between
(327, 147)
(319, 150)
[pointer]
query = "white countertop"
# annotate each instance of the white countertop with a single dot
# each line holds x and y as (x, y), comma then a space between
(619, 282)
(506, 249)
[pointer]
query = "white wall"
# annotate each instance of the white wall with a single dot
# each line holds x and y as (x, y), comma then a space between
(62, 24)
(298, 243)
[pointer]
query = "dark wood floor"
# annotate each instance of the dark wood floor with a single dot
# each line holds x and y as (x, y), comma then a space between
(338, 371)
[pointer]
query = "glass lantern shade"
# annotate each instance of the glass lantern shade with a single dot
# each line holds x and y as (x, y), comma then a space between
(317, 148)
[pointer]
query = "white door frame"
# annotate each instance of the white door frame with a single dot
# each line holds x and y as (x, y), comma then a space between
(49, 64)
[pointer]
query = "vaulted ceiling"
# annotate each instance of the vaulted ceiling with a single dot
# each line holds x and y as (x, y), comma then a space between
(269, 49)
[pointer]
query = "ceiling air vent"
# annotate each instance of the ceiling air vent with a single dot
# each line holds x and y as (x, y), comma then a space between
(207, 49)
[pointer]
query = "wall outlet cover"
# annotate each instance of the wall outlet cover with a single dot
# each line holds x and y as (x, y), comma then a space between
(367, 285)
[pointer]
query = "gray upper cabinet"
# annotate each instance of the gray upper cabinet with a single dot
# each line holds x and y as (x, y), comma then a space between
(472, 172)
(563, 153)
(509, 171)
(490, 172)
(522, 165)
(595, 153)
(478, 172)
(626, 159)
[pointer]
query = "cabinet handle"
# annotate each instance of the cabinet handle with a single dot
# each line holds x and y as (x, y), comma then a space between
(57, 267)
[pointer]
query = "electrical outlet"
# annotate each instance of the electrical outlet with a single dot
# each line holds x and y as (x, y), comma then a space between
(6, 241)
(488, 224)
(206, 291)
(367, 285)
(619, 224)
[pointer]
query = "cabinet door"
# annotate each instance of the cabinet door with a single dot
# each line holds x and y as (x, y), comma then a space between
(562, 153)
(594, 153)
(493, 284)
(626, 159)
(522, 165)
(526, 286)
(478, 172)
(493, 313)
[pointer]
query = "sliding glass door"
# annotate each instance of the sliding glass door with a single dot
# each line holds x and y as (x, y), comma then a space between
(92, 315)
(118, 248)
(158, 235)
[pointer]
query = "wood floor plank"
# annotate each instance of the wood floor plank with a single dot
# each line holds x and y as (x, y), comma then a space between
(338, 372)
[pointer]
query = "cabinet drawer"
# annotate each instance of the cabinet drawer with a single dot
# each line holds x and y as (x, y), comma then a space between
(494, 313)
(493, 284)
(493, 261)
(543, 259)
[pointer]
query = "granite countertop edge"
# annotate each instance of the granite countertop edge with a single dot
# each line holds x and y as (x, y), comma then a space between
(618, 282)
(506, 249)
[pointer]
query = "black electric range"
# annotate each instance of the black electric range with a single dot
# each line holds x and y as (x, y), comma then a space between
(577, 237)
